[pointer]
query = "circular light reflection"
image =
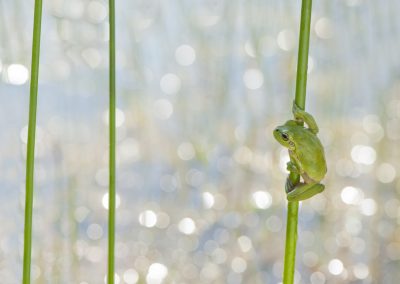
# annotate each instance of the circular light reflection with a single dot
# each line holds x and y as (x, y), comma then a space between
(249, 49)
(170, 83)
(185, 55)
(157, 273)
(253, 79)
(335, 266)
(187, 226)
(262, 199)
(208, 200)
(361, 271)
(368, 207)
(351, 195)
(363, 154)
(323, 28)
(97, 11)
(386, 173)
(238, 265)
(245, 243)
(94, 231)
(17, 74)
(131, 276)
(163, 109)
(317, 278)
(186, 151)
(286, 40)
(148, 218)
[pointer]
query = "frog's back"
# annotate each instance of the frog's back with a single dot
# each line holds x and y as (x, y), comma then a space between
(310, 154)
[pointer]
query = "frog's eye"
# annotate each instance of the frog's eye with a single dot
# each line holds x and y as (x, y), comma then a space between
(285, 136)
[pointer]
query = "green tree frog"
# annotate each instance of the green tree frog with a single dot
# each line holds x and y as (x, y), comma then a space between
(306, 154)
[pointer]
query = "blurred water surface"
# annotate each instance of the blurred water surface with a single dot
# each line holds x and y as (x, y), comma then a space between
(201, 85)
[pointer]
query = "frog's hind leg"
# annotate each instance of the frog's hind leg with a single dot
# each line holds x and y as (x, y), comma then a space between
(304, 191)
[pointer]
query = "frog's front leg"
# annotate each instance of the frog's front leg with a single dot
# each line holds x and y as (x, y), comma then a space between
(292, 167)
(303, 116)
(303, 191)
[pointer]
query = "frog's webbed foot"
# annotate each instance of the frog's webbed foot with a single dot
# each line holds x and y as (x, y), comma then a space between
(303, 116)
(291, 167)
(303, 191)
(289, 186)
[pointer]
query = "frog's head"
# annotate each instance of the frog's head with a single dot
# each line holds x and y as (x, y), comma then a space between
(283, 135)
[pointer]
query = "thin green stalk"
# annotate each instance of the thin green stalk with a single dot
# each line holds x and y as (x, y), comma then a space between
(30, 153)
(112, 130)
(300, 100)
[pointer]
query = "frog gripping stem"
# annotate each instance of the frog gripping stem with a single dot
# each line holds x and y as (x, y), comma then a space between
(288, 185)
(307, 157)
(300, 99)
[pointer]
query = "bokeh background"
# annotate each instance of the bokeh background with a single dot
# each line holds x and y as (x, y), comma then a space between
(201, 85)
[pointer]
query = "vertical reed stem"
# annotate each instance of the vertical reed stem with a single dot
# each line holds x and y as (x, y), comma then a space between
(112, 130)
(30, 153)
(300, 100)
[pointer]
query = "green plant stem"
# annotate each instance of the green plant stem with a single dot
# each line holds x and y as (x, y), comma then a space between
(30, 153)
(112, 130)
(302, 61)
(300, 100)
